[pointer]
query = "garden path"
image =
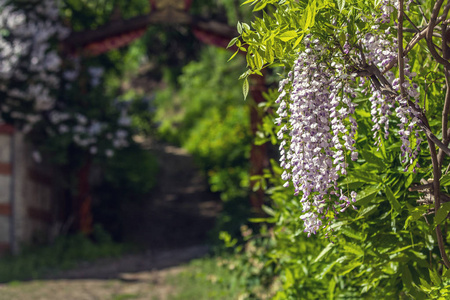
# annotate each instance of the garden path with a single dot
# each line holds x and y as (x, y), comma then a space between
(171, 226)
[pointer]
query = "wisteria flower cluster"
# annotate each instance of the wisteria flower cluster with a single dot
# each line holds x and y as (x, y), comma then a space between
(380, 50)
(320, 130)
(317, 127)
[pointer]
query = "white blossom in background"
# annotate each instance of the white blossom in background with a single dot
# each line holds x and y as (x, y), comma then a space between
(31, 73)
(28, 63)
(37, 157)
(96, 74)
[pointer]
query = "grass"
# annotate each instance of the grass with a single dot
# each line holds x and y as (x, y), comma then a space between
(206, 279)
(215, 278)
(64, 253)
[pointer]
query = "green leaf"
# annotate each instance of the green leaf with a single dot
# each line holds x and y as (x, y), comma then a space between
(326, 269)
(306, 20)
(258, 61)
(367, 210)
(445, 180)
(442, 213)
(261, 220)
(400, 250)
(278, 50)
(298, 40)
(425, 284)
(232, 56)
(350, 268)
(312, 9)
(409, 181)
(239, 27)
(260, 6)
(393, 200)
(289, 279)
(446, 273)
(340, 5)
(268, 210)
(269, 51)
(367, 195)
(245, 88)
(288, 35)
(324, 252)
(373, 159)
(366, 176)
(354, 249)
(406, 277)
(435, 277)
(415, 214)
(331, 288)
(351, 233)
(232, 42)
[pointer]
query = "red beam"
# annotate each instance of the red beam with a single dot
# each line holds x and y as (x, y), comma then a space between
(6, 129)
(5, 168)
(5, 209)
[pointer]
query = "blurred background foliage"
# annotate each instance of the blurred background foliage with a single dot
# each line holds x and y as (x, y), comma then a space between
(174, 89)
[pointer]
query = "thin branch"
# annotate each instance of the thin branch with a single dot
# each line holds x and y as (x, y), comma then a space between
(421, 11)
(401, 63)
(434, 156)
(443, 17)
(429, 35)
(410, 22)
(420, 35)
(385, 87)
(421, 188)
(446, 109)
(437, 201)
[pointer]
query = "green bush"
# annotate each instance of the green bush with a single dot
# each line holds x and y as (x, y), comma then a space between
(127, 177)
(206, 115)
(131, 170)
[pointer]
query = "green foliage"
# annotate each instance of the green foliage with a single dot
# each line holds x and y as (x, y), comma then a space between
(88, 14)
(64, 253)
(132, 170)
(207, 117)
(245, 274)
(130, 175)
(386, 243)
(386, 249)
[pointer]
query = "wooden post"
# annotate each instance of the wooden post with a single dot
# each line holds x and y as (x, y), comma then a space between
(83, 201)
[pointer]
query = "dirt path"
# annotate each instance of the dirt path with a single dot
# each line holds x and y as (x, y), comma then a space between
(172, 225)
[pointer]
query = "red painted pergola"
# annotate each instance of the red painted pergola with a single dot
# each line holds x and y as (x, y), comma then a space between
(119, 33)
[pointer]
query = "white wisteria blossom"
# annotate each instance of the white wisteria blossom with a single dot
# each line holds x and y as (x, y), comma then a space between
(317, 127)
